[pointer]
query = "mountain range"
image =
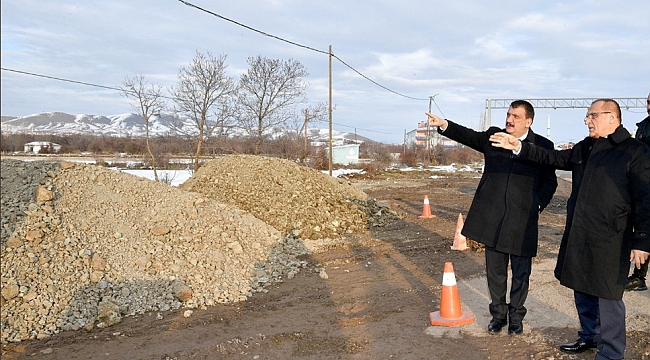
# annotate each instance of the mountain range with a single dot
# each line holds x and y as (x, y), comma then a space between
(129, 124)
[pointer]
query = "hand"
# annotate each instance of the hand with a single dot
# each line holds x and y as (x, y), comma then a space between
(506, 141)
(638, 257)
(435, 120)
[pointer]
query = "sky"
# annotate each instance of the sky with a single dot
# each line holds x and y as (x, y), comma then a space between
(392, 57)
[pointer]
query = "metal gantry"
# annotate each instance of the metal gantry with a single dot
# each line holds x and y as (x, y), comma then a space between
(560, 103)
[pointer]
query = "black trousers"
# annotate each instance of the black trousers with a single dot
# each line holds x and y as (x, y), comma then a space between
(496, 265)
(602, 321)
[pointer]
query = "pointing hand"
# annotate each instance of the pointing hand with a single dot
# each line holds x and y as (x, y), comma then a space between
(435, 120)
(505, 141)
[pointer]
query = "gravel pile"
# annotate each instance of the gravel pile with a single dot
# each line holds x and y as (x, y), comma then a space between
(287, 196)
(83, 246)
(91, 245)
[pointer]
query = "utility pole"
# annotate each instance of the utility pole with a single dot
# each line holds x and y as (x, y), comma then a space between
(330, 112)
(428, 140)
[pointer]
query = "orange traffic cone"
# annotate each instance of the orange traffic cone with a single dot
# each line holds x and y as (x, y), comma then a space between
(426, 209)
(450, 313)
(460, 241)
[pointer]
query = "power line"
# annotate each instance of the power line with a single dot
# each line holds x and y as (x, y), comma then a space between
(61, 79)
(358, 128)
(299, 45)
(77, 82)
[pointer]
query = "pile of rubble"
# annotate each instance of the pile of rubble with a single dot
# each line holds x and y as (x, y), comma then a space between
(83, 246)
(289, 197)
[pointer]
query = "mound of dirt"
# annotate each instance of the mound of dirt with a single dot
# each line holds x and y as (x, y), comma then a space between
(291, 198)
(91, 245)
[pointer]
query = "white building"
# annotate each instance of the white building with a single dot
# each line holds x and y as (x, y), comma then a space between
(419, 136)
(36, 146)
(345, 154)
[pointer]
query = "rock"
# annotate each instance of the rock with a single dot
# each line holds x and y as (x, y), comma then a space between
(322, 274)
(10, 291)
(32, 235)
(181, 291)
(14, 242)
(43, 195)
(66, 165)
(108, 314)
(97, 263)
(160, 230)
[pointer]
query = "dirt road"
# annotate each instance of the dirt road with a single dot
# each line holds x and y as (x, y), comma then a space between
(368, 299)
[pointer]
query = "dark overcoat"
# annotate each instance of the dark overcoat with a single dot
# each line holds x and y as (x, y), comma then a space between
(505, 210)
(608, 212)
(643, 131)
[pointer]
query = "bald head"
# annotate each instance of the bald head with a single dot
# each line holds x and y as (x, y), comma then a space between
(603, 117)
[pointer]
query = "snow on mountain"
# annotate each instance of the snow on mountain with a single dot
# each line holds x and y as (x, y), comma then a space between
(130, 124)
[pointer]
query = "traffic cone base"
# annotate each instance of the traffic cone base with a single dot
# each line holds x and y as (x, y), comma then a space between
(426, 209)
(437, 320)
(460, 241)
(451, 313)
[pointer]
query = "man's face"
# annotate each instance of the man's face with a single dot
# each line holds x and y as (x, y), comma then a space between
(599, 120)
(516, 121)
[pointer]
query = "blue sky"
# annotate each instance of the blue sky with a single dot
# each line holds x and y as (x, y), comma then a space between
(462, 52)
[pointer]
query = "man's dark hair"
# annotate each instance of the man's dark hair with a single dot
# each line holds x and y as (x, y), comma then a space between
(530, 111)
(611, 102)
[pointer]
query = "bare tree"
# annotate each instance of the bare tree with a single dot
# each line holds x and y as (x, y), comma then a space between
(268, 94)
(147, 102)
(314, 113)
(204, 94)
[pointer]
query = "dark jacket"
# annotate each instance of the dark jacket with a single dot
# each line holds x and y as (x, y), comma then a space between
(643, 131)
(511, 193)
(608, 212)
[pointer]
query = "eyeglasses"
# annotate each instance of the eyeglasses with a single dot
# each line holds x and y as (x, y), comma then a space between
(593, 115)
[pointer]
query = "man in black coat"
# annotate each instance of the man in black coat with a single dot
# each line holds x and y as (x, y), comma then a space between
(636, 282)
(505, 210)
(607, 224)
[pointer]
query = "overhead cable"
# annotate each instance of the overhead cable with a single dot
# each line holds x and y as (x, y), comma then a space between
(299, 45)
(76, 82)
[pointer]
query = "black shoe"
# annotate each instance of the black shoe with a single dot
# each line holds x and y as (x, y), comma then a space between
(515, 328)
(495, 325)
(577, 347)
(635, 284)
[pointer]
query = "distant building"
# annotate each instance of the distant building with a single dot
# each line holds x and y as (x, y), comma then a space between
(344, 155)
(418, 137)
(36, 147)
(564, 146)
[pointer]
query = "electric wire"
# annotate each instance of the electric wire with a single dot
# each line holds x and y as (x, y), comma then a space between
(77, 82)
(259, 32)
(299, 45)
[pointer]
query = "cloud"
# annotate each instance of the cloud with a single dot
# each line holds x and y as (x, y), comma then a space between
(465, 52)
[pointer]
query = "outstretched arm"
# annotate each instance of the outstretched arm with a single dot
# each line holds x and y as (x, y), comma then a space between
(506, 141)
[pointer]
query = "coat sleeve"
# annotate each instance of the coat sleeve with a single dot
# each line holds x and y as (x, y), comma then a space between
(477, 140)
(640, 188)
(547, 179)
(547, 187)
(557, 159)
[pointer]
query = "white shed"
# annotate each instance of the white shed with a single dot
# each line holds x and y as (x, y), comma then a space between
(36, 146)
(344, 154)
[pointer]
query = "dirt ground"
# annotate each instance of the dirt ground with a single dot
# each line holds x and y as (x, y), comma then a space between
(374, 301)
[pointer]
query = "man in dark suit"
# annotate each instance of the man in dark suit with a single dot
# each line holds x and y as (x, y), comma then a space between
(607, 224)
(505, 210)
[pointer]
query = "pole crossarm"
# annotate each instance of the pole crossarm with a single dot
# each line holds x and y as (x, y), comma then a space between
(565, 103)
